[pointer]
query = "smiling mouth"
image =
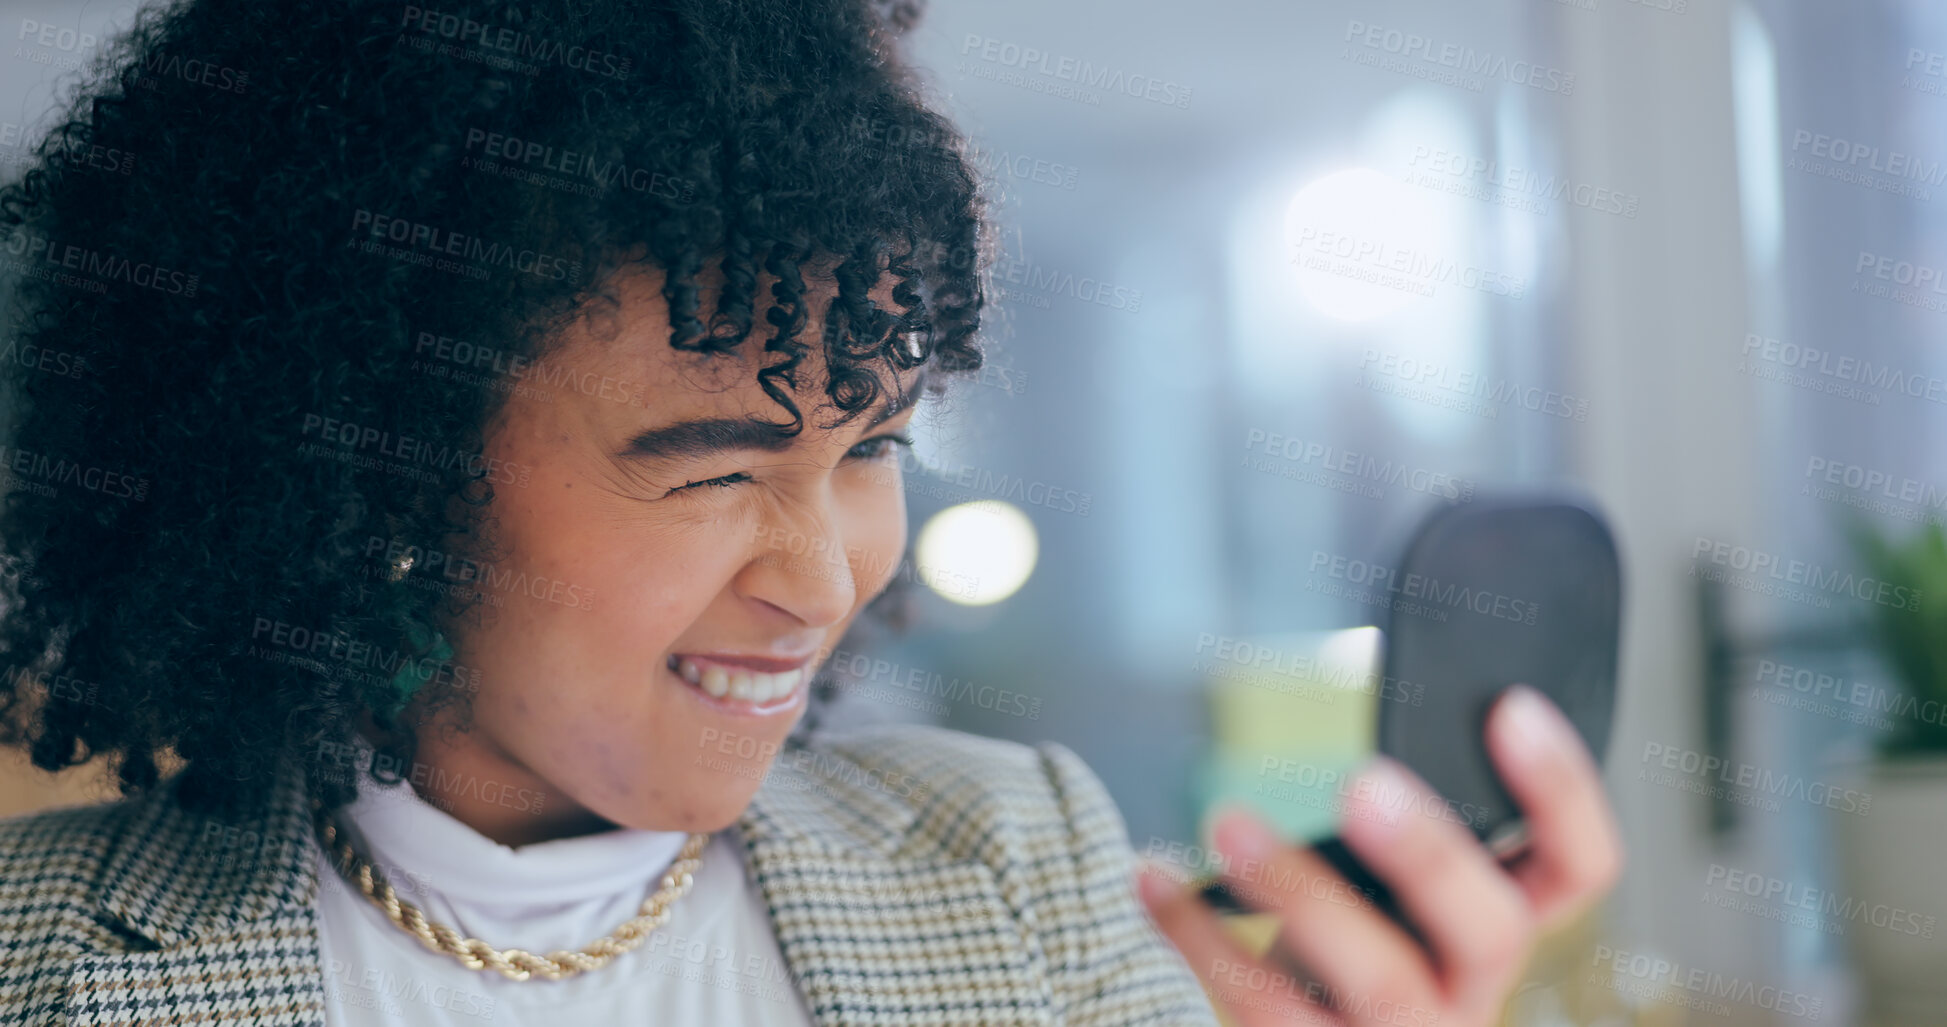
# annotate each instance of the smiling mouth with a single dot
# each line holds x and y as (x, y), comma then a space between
(739, 685)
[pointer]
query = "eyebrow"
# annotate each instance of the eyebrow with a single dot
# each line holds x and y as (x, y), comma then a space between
(712, 435)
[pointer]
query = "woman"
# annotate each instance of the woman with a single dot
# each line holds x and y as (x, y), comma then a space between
(473, 427)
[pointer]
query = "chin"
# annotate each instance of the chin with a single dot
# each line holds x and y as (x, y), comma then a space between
(706, 802)
(715, 820)
(704, 819)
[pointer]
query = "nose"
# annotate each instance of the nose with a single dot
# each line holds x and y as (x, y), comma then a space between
(800, 566)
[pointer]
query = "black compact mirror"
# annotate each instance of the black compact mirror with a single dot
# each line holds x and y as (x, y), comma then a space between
(1488, 594)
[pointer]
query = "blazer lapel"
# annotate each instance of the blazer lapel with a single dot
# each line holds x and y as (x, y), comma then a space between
(207, 921)
(266, 972)
(879, 925)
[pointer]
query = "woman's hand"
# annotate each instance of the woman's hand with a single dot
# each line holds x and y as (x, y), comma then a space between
(1349, 963)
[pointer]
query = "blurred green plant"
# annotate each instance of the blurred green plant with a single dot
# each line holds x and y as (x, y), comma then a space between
(1913, 639)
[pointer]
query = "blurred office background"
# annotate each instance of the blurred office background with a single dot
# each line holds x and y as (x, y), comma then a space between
(1746, 183)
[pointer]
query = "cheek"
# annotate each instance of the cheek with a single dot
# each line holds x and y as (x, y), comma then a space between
(611, 574)
(877, 509)
(587, 599)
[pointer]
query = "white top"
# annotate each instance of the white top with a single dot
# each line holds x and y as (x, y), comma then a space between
(715, 961)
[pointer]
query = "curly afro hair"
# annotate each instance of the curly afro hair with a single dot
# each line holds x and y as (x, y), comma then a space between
(251, 219)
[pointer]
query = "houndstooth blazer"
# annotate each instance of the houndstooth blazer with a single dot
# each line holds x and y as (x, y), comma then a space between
(913, 876)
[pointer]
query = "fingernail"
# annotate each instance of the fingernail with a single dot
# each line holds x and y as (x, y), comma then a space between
(1240, 835)
(1533, 724)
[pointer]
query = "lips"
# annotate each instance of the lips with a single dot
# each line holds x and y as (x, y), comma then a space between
(741, 681)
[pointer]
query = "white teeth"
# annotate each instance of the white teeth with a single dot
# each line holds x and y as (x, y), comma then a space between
(747, 686)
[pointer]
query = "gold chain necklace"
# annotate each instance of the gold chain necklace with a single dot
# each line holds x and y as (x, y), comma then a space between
(518, 964)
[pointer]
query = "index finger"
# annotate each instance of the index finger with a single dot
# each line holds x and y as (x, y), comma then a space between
(1576, 852)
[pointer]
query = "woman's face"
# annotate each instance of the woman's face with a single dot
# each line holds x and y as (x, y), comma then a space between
(661, 537)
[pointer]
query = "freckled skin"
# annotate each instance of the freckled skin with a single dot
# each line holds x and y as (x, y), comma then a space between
(576, 704)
